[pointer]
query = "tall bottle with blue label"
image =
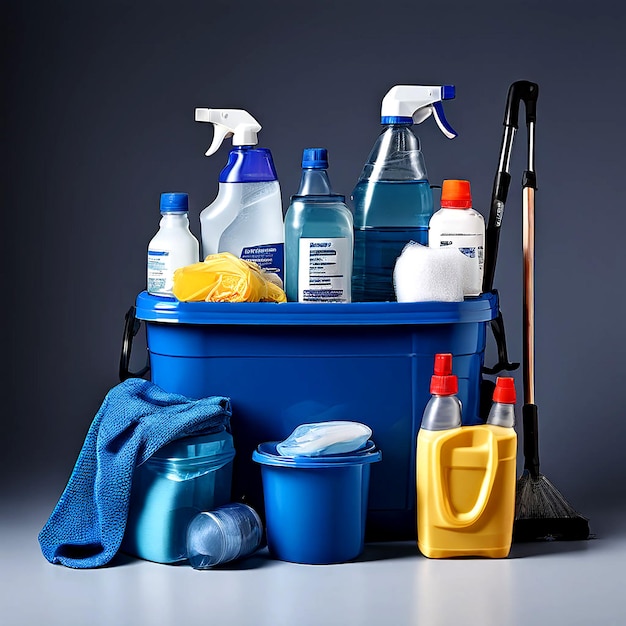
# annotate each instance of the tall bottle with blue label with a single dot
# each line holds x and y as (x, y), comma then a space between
(392, 199)
(246, 217)
(319, 237)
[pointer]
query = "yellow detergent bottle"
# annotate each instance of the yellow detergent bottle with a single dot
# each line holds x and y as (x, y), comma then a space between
(466, 476)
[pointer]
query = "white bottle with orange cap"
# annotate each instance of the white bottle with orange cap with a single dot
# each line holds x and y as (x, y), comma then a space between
(458, 225)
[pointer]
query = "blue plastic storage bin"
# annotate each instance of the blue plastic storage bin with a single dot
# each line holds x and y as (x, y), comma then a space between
(287, 364)
(315, 507)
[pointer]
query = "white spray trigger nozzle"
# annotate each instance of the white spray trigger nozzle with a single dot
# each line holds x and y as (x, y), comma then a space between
(419, 102)
(235, 123)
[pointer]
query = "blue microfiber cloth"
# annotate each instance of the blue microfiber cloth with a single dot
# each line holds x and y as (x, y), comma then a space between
(135, 420)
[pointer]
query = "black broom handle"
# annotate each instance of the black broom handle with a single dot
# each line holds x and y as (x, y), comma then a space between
(525, 91)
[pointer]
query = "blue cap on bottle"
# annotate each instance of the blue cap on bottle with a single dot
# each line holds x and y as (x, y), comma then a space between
(174, 202)
(315, 158)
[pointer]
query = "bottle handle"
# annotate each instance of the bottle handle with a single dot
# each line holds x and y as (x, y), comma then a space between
(444, 510)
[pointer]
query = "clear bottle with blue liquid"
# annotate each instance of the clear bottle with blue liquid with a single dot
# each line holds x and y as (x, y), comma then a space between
(319, 237)
(392, 200)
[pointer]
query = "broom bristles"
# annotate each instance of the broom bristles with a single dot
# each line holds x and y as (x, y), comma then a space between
(542, 512)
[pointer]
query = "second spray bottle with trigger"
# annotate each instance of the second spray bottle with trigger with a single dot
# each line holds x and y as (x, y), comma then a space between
(246, 217)
(393, 202)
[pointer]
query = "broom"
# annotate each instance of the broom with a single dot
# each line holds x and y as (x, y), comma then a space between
(541, 511)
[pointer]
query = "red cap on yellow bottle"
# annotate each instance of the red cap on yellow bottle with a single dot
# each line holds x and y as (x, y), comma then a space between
(443, 382)
(505, 390)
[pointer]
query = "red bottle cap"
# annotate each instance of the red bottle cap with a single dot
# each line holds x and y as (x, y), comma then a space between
(456, 194)
(505, 390)
(443, 382)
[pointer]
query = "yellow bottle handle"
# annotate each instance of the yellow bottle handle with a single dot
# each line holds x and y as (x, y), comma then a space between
(463, 520)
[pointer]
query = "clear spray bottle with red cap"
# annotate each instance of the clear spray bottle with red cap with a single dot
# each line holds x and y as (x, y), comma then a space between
(443, 410)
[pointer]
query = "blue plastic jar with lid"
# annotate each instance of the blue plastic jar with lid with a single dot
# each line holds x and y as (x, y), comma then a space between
(181, 479)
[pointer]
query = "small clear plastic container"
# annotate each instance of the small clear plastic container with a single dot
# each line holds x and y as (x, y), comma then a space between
(227, 533)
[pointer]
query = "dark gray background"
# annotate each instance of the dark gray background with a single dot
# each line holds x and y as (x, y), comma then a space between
(98, 119)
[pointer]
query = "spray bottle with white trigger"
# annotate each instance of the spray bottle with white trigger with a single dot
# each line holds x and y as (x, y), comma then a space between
(393, 201)
(246, 217)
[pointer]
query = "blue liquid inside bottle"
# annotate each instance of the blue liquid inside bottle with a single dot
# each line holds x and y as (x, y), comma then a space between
(387, 215)
(316, 213)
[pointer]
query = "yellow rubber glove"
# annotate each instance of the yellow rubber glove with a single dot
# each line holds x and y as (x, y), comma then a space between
(224, 277)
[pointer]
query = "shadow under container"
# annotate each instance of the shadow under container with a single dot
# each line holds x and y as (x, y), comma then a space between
(287, 364)
(315, 507)
(177, 482)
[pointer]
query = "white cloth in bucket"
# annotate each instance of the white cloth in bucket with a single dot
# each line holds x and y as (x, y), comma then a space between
(424, 274)
(325, 438)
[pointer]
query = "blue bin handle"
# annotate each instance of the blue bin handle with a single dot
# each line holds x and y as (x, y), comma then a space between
(131, 328)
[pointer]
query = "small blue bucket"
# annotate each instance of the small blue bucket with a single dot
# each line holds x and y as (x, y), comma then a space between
(315, 507)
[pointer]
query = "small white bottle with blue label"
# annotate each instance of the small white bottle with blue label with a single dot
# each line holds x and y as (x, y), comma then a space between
(173, 246)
